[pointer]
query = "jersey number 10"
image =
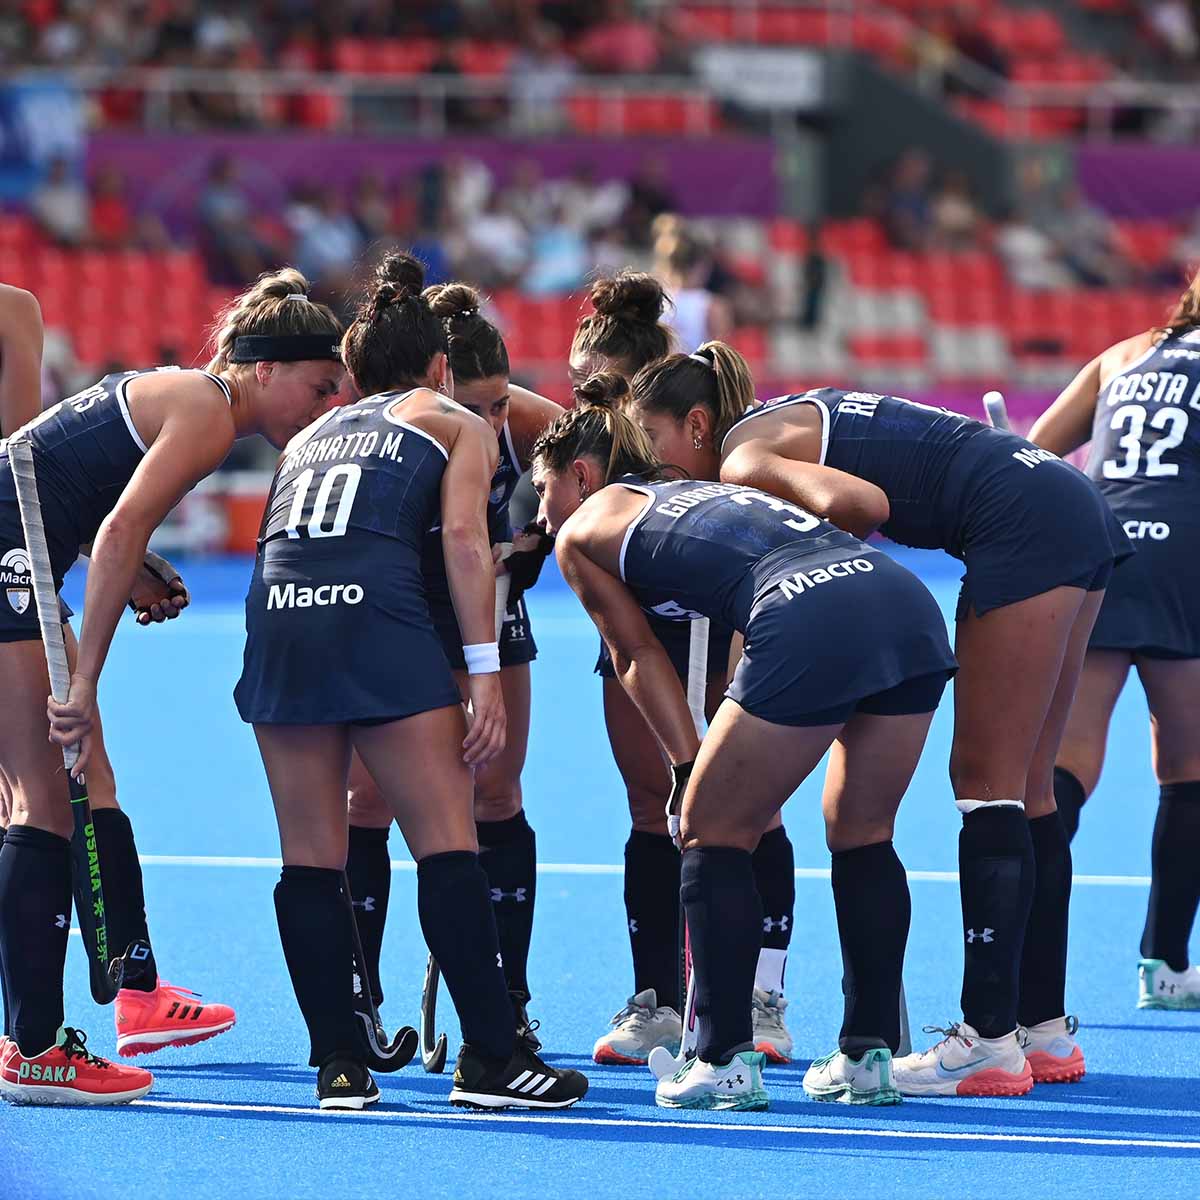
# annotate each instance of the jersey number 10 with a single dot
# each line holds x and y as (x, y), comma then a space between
(1173, 421)
(338, 487)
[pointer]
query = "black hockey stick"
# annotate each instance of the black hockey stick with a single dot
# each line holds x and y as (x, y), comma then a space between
(383, 1056)
(433, 1044)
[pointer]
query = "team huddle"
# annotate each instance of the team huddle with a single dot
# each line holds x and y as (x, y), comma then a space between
(748, 629)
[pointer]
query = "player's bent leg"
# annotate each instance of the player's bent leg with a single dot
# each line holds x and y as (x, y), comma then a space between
(1166, 981)
(43, 1061)
(1016, 652)
(650, 1016)
(432, 798)
(1081, 753)
(746, 769)
(870, 767)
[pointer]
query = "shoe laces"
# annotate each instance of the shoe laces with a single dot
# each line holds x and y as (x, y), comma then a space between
(633, 1015)
(770, 1011)
(951, 1033)
(75, 1046)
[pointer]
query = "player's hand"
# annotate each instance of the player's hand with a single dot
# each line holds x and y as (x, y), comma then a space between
(488, 720)
(159, 594)
(71, 723)
(680, 774)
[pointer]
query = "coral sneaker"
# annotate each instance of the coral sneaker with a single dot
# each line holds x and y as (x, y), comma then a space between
(1052, 1052)
(167, 1016)
(965, 1064)
(68, 1073)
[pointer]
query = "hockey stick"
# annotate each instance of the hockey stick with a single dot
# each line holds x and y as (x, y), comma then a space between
(85, 861)
(997, 411)
(383, 1056)
(661, 1061)
(433, 1044)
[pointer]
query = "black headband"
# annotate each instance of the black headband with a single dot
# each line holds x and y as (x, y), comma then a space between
(286, 347)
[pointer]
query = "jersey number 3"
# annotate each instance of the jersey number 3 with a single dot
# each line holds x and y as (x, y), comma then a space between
(309, 517)
(1172, 421)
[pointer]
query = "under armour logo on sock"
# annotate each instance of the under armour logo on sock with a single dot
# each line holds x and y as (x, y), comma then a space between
(367, 904)
(518, 895)
(769, 923)
(60, 921)
(633, 928)
(985, 936)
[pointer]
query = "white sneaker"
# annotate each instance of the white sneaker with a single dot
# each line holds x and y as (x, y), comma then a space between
(965, 1064)
(1052, 1052)
(1160, 987)
(637, 1029)
(838, 1077)
(770, 1034)
(699, 1084)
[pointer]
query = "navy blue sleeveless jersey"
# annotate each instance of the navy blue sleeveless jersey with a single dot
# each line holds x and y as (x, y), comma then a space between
(516, 636)
(1145, 459)
(338, 628)
(828, 621)
(85, 450)
(1022, 520)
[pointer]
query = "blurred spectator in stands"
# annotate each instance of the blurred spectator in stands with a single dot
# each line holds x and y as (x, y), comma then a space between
(1172, 26)
(300, 212)
(465, 186)
(541, 76)
(957, 222)
(527, 196)
(620, 43)
(559, 257)
(60, 205)
(497, 246)
(235, 255)
(649, 195)
(303, 48)
(371, 209)
(907, 215)
(587, 204)
(1088, 243)
(816, 277)
(327, 249)
(111, 217)
(683, 262)
(1031, 256)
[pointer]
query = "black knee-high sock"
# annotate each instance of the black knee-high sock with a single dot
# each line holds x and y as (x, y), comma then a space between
(369, 870)
(1044, 958)
(775, 878)
(3, 986)
(508, 856)
(995, 866)
(724, 915)
(124, 900)
(1070, 798)
(35, 921)
(870, 894)
(1174, 875)
(314, 928)
(460, 931)
(652, 909)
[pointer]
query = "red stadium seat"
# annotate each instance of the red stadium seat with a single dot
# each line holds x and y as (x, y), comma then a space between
(787, 236)
(790, 26)
(486, 58)
(901, 349)
(710, 23)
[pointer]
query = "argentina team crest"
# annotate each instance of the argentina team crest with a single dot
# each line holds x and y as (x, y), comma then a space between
(15, 576)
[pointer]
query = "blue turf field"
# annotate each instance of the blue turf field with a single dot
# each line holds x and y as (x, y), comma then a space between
(234, 1117)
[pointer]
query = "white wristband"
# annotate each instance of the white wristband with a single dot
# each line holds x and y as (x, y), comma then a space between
(482, 658)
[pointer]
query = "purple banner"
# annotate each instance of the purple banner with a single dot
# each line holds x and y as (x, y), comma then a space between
(166, 172)
(1141, 182)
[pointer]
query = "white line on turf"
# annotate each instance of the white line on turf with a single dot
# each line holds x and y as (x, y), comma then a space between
(752, 1128)
(402, 864)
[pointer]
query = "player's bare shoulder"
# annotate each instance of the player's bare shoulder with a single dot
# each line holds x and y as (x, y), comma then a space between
(1117, 357)
(444, 420)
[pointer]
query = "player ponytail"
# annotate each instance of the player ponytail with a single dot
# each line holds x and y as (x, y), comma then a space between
(1187, 312)
(477, 350)
(626, 328)
(597, 428)
(716, 377)
(395, 336)
(275, 305)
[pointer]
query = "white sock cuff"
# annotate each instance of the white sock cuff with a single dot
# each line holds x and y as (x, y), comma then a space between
(970, 806)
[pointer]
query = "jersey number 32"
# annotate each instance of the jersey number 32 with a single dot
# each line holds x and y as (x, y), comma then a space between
(1172, 422)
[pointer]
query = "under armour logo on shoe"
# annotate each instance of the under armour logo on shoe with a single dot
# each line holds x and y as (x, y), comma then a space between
(770, 923)
(633, 925)
(367, 904)
(60, 921)
(518, 895)
(732, 1083)
(985, 936)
